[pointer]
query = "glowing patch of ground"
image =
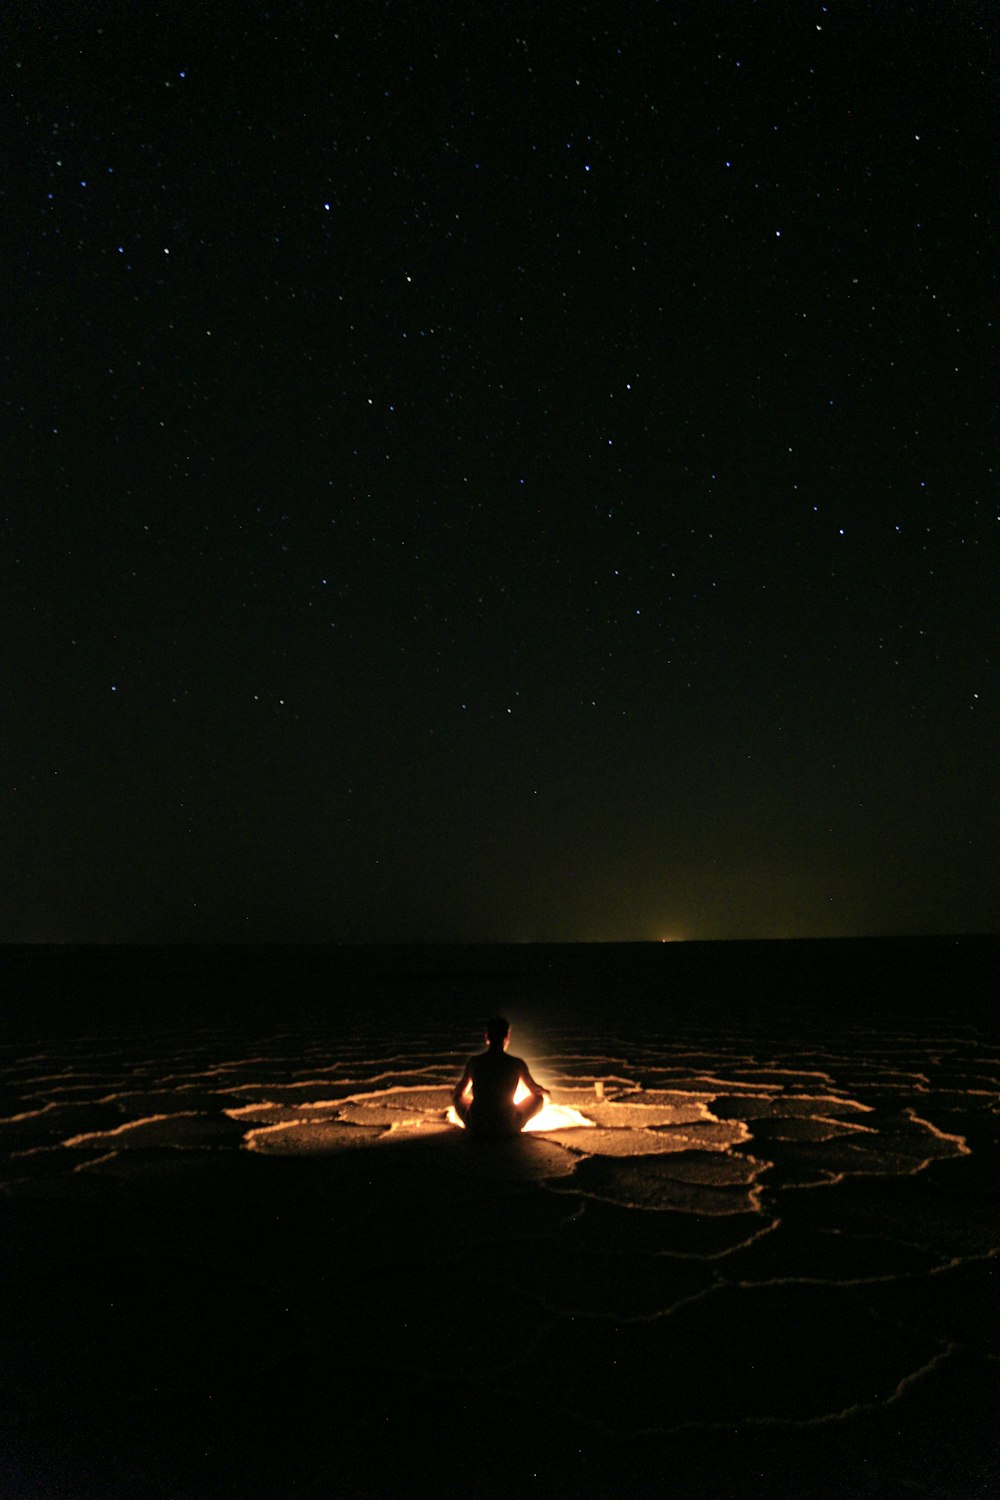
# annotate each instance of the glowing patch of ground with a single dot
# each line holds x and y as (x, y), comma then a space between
(694, 1181)
(550, 1117)
(294, 1140)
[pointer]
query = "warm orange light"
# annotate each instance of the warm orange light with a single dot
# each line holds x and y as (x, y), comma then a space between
(557, 1117)
(549, 1117)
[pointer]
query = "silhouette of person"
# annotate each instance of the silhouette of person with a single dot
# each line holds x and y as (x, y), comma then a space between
(491, 1079)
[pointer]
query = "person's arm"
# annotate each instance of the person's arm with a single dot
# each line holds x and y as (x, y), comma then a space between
(537, 1089)
(463, 1085)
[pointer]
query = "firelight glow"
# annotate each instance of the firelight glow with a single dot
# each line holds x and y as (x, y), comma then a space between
(549, 1117)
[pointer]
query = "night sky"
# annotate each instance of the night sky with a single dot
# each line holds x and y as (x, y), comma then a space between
(500, 472)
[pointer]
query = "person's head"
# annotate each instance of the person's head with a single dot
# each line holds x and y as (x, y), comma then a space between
(497, 1033)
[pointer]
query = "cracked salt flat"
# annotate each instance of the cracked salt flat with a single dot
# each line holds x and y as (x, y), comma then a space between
(812, 1118)
(721, 1197)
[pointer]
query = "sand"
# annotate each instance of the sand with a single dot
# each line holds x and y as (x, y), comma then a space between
(252, 1261)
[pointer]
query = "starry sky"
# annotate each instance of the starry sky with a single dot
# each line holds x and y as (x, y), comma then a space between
(500, 472)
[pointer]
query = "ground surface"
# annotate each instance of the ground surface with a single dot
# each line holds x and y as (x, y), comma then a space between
(246, 1261)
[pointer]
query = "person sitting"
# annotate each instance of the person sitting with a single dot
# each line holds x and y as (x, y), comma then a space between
(484, 1098)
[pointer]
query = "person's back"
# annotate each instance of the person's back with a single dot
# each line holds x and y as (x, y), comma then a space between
(495, 1076)
(491, 1079)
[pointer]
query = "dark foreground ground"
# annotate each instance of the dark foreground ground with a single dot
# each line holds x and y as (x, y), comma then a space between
(243, 1256)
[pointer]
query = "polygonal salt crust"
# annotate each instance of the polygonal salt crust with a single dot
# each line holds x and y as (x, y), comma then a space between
(910, 1130)
(187, 1097)
(393, 1080)
(610, 1228)
(655, 1141)
(427, 1097)
(679, 1098)
(780, 1174)
(964, 1084)
(949, 1099)
(325, 1090)
(390, 1108)
(797, 1130)
(267, 1113)
(176, 1130)
(977, 1132)
(527, 1158)
(575, 1095)
(552, 1066)
(712, 1168)
(709, 1135)
(56, 1124)
(312, 1139)
(707, 1086)
(422, 1096)
(694, 1102)
(601, 1142)
(755, 1106)
(846, 1155)
(370, 1114)
(801, 1079)
(693, 1182)
(632, 1110)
